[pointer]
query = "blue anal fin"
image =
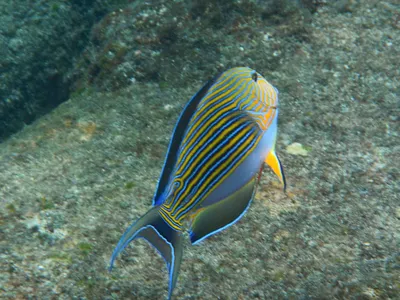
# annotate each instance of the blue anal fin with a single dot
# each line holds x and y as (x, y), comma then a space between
(222, 214)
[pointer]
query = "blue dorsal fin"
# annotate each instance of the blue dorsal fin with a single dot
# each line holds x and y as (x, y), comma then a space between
(176, 140)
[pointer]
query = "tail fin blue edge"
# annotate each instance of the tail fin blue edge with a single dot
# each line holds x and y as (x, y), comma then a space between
(166, 240)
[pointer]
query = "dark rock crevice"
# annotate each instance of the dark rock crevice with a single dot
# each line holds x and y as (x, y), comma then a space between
(39, 43)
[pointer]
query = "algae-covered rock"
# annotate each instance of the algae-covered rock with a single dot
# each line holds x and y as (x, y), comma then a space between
(72, 181)
(176, 42)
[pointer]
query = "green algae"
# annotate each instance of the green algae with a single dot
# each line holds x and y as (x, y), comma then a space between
(11, 208)
(85, 248)
(60, 256)
(46, 203)
(130, 185)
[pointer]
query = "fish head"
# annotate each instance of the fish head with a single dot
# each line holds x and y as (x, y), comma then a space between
(253, 94)
(264, 91)
(257, 94)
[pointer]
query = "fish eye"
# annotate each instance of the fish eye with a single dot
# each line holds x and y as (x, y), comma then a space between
(254, 76)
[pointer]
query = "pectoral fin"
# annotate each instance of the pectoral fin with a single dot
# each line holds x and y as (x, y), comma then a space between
(218, 216)
(273, 161)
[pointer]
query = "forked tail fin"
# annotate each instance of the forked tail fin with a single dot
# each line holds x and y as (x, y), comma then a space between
(167, 241)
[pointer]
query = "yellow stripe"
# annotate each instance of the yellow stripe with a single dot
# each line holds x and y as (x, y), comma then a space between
(209, 100)
(165, 214)
(258, 99)
(211, 162)
(199, 143)
(200, 157)
(205, 125)
(215, 90)
(222, 179)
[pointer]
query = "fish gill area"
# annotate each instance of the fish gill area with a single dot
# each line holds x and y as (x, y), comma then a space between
(90, 92)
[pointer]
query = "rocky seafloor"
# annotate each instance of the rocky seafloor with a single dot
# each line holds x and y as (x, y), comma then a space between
(74, 179)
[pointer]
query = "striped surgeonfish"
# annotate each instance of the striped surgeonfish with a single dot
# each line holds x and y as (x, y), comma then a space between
(215, 157)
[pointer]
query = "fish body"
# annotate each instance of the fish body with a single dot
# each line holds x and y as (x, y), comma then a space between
(220, 143)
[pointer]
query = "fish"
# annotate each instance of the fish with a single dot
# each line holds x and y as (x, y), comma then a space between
(223, 137)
